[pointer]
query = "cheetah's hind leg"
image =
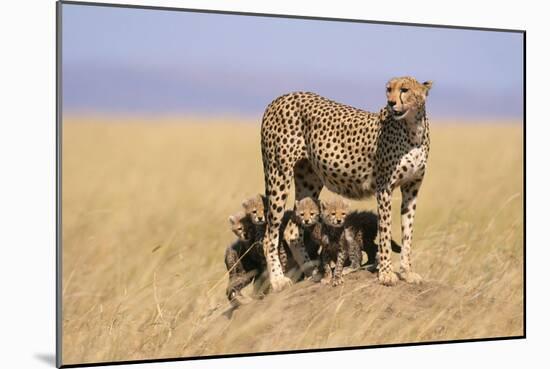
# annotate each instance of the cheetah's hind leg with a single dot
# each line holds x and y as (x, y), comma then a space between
(277, 185)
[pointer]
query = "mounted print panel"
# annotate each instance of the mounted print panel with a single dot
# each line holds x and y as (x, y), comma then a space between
(237, 184)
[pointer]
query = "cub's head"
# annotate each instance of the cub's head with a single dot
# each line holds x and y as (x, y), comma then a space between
(241, 226)
(254, 207)
(333, 212)
(406, 96)
(307, 211)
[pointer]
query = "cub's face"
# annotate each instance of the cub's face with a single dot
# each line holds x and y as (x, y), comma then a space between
(334, 212)
(240, 226)
(307, 211)
(255, 208)
(405, 95)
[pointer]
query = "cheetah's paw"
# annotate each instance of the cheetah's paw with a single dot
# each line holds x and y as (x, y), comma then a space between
(280, 283)
(240, 300)
(316, 275)
(410, 277)
(336, 281)
(387, 278)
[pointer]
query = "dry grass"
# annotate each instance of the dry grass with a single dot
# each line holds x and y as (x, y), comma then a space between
(145, 207)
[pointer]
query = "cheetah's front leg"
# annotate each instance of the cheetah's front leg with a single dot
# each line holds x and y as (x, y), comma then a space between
(386, 275)
(408, 209)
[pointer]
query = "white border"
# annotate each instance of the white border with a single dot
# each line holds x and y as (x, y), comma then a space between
(27, 147)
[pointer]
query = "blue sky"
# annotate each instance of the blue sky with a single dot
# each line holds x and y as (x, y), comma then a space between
(139, 61)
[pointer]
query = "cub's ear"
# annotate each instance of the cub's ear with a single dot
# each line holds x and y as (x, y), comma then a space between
(231, 219)
(427, 86)
(296, 204)
(322, 205)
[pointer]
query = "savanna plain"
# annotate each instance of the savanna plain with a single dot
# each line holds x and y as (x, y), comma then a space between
(145, 206)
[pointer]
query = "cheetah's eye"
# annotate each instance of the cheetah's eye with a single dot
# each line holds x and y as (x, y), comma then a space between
(333, 213)
(404, 90)
(302, 214)
(254, 211)
(240, 229)
(388, 89)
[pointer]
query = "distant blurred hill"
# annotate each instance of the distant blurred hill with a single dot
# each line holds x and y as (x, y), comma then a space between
(218, 90)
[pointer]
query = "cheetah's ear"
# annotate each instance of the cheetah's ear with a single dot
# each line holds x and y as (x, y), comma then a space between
(296, 204)
(427, 86)
(231, 219)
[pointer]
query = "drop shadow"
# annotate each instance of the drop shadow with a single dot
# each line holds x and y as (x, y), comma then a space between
(46, 358)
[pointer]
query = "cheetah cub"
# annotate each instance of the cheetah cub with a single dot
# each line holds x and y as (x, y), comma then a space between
(255, 208)
(360, 231)
(330, 235)
(244, 258)
(296, 224)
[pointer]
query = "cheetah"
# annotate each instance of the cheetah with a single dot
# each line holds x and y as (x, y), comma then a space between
(360, 231)
(254, 208)
(321, 143)
(244, 258)
(329, 234)
(295, 224)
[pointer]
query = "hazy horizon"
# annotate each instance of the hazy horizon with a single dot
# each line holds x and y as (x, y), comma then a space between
(153, 62)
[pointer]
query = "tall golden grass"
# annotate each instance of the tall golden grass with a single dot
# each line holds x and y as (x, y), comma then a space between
(145, 207)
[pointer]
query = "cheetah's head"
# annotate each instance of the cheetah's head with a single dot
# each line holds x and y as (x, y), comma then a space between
(334, 212)
(240, 227)
(307, 211)
(255, 208)
(406, 96)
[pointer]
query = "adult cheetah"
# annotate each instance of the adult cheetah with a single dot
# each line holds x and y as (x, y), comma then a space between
(321, 143)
